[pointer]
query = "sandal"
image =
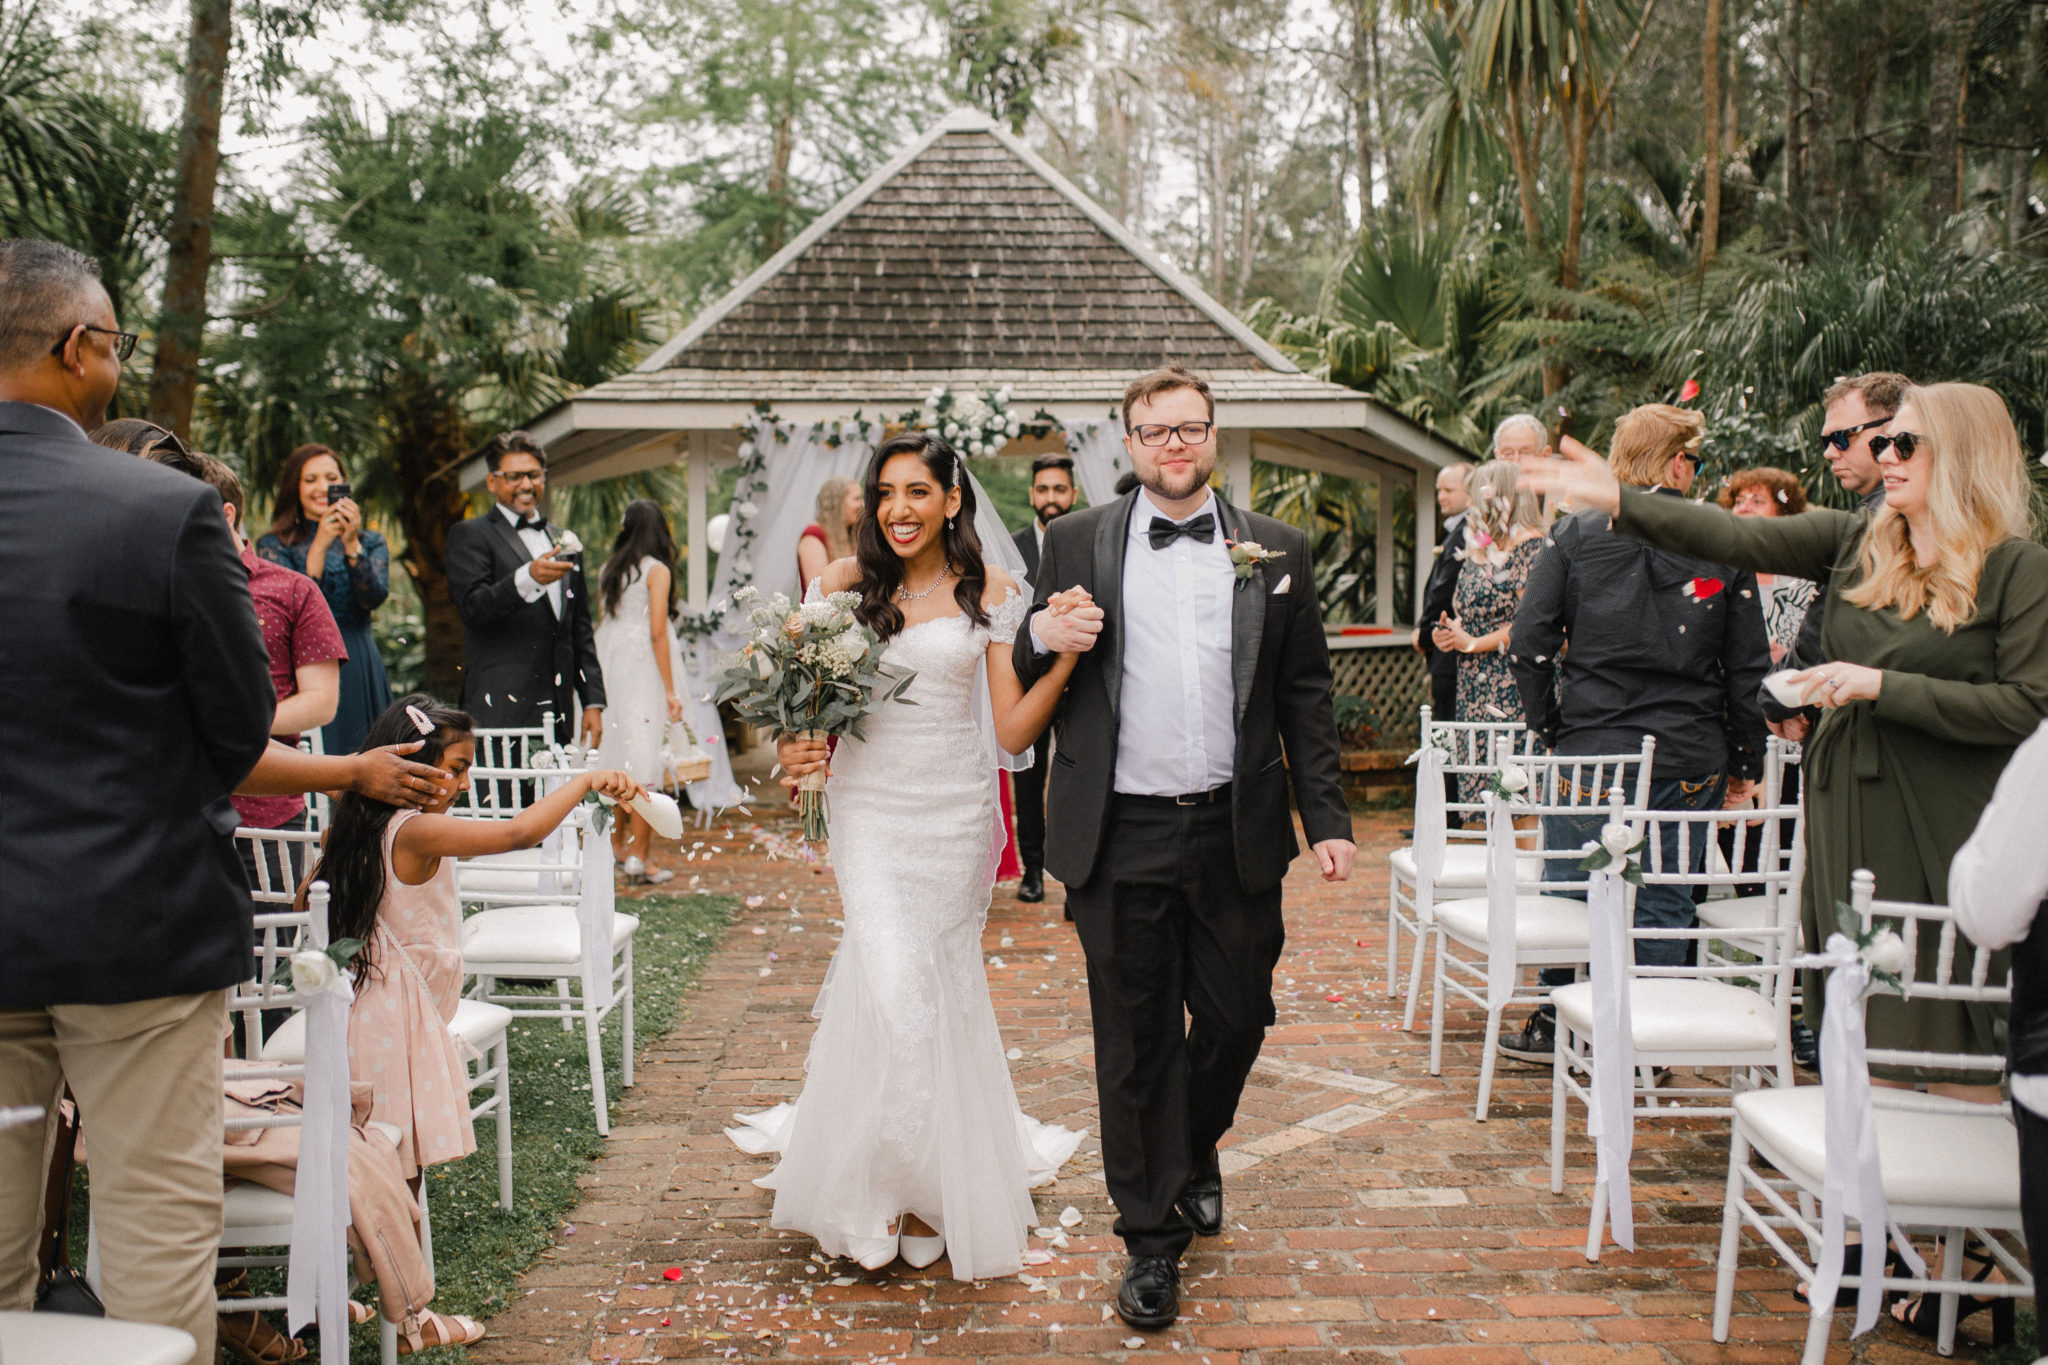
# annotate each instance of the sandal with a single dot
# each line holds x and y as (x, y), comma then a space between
(255, 1340)
(1923, 1315)
(1846, 1295)
(424, 1330)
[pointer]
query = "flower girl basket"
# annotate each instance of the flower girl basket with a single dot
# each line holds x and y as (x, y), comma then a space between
(684, 759)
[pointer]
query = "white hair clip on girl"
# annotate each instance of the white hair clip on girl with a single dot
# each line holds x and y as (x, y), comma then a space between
(419, 720)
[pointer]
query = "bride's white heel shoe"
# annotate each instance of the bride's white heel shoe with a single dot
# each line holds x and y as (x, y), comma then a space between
(919, 1252)
(883, 1255)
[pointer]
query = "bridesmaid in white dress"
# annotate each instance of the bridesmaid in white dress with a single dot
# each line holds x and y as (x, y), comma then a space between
(907, 1138)
(636, 652)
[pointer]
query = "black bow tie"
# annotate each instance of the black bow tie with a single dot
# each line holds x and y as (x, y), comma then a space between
(1164, 532)
(534, 523)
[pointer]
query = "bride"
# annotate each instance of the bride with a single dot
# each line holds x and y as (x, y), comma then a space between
(907, 1138)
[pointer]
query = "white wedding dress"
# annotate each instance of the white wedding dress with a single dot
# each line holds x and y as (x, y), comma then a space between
(907, 1104)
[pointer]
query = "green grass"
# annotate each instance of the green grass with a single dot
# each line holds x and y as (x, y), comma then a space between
(480, 1249)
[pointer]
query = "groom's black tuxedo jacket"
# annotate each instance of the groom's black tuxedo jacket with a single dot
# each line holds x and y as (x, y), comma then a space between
(134, 696)
(1280, 668)
(520, 659)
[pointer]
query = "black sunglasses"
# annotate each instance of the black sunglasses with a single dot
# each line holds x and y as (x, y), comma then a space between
(1692, 455)
(1903, 445)
(1840, 439)
(124, 342)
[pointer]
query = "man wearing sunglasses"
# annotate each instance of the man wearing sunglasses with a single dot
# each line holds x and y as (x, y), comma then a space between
(1856, 409)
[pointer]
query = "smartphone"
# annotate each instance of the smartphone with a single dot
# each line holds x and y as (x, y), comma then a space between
(337, 491)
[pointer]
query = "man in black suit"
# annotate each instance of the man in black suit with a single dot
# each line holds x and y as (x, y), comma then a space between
(1205, 689)
(1451, 500)
(1052, 496)
(134, 696)
(527, 639)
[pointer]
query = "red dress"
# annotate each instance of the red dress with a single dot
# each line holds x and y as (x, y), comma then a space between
(1010, 865)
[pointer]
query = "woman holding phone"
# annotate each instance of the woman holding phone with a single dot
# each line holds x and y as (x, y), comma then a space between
(318, 530)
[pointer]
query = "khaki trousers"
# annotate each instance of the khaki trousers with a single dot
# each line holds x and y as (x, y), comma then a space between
(147, 1077)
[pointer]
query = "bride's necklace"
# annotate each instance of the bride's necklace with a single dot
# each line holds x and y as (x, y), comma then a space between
(904, 594)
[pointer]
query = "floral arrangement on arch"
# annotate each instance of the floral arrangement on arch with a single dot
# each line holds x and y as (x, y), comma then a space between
(752, 485)
(978, 423)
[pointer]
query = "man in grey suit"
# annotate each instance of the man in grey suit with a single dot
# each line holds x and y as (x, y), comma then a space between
(1202, 696)
(134, 696)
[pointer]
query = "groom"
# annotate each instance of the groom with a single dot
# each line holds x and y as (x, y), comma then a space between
(1204, 660)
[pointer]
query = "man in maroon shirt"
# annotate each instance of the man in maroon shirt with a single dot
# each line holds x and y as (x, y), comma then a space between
(305, 651)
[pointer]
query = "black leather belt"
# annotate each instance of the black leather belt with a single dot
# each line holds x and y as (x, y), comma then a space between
(1207, 798)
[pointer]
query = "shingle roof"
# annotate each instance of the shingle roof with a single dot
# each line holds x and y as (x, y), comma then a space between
(889, 391)
(967, 253)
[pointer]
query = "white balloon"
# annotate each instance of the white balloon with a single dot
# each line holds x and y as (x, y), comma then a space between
(714, 533)
(661, 811)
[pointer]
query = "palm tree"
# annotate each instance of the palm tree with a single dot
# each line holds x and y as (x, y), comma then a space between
(426, 292)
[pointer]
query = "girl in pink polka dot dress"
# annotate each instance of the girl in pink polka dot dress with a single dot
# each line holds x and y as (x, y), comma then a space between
(391, 883)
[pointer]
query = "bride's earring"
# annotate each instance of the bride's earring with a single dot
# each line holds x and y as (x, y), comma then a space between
(949, 523)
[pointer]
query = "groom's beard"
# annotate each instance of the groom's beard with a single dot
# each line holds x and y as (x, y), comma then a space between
(1173, 490)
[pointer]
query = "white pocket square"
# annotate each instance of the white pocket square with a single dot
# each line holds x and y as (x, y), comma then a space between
(1282, 585)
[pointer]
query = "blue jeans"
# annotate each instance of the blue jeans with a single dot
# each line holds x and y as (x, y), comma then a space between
(1657, 907)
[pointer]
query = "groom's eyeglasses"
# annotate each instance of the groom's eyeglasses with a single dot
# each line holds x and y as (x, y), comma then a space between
(1158, 433)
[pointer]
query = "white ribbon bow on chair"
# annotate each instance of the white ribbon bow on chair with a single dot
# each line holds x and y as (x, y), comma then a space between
(1854, 1181)
(1429, 812)
(1611, 1105)
(316, 1285)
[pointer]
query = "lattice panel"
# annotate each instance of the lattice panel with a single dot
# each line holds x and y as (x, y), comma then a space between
(1392, 679)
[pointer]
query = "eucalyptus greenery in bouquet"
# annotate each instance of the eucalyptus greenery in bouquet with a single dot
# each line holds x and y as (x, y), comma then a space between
(810, 671)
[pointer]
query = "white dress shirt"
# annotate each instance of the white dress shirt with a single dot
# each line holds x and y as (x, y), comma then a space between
(537, 544)
(2000, 873)
(1177, 730)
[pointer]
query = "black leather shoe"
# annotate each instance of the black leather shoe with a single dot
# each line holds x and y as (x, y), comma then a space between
(1149, 1297)
(1536, 1042)
(1032, 888)
(1805, 1046)
(1201, 1203)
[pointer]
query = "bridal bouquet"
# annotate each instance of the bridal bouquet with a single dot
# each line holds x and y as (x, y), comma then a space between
(811, 671)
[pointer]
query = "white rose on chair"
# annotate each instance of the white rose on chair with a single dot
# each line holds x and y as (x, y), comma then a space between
(1887, 953)
(318, 969)
(1617, 851)
(1617, 838)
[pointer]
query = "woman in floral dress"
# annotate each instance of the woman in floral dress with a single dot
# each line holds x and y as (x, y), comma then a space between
(1505, 539)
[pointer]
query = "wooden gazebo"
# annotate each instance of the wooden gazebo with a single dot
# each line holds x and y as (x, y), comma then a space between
(969, 263)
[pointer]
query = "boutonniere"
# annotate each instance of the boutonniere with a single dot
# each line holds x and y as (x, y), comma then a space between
(568, 542)
(1618, 844)
(1246, 555)
(1700, 589)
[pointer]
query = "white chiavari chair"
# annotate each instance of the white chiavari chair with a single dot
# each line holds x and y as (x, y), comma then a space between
(1729, 1012)
(1944, 1165)
(1417, 877)
(1485, 944)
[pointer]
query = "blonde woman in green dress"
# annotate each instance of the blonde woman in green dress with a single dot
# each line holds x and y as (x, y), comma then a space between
(1936, 636)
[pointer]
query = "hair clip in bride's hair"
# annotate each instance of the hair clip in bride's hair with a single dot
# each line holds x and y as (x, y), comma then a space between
(419, 720)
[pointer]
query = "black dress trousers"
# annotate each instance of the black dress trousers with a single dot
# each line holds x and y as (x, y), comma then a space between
(1180, 986)
(1028, 786)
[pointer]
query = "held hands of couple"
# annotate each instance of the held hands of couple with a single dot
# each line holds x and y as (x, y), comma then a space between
(1070, 622)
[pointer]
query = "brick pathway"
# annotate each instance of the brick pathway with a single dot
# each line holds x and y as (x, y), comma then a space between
(1369, 1217)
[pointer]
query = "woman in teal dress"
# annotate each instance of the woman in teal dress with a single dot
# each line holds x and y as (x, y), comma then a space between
(327, 543)
(1936, 635)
